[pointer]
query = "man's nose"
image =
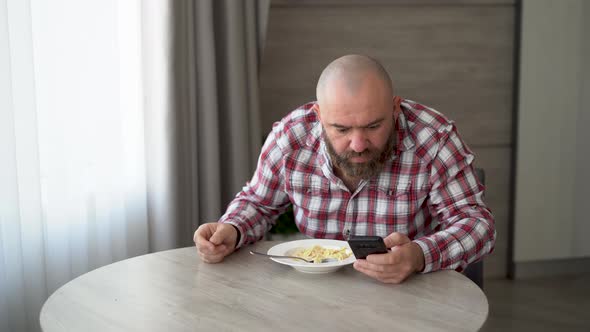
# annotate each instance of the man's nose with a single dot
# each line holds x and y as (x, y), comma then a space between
(358, 141)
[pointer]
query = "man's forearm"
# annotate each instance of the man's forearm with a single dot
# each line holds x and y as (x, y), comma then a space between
(251, 219)
(460, 244)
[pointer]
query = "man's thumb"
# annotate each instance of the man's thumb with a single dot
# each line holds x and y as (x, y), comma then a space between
(395, 239)
(218, 236)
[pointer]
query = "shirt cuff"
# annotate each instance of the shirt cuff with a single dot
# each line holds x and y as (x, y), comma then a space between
(431, 254)
(240, 239)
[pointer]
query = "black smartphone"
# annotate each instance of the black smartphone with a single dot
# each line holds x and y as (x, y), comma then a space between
(362, 246)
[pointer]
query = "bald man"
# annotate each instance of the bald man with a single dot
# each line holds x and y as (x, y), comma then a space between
(361, 161)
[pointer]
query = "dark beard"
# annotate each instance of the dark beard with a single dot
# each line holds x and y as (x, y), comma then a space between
(364, 170)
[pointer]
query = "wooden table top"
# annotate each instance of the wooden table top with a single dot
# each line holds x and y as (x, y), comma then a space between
(174, 291)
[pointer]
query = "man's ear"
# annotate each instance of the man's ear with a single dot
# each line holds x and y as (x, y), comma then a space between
(316, 109)
(397, 109)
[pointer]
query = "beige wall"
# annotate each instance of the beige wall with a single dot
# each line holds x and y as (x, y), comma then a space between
(581, 215)
(553, 177)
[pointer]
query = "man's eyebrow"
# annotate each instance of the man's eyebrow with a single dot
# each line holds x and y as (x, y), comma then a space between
(375, 122)
(339, 126)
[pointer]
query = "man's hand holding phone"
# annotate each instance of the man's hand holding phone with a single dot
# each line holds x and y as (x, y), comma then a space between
(404, 259)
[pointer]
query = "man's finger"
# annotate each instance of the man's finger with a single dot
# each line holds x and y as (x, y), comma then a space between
(212, 258)
(378, 267)
(220, 235)
(365, 270)
(218, 257)
(395, 239)
(385, 277)
(211, 249)
(202, 236)
(204, 245)
(391, 258)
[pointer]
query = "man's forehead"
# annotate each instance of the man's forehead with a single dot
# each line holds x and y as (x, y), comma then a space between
(346, 114)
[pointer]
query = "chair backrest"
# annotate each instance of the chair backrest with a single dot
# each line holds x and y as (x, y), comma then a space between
(475, 270)
(481, 175)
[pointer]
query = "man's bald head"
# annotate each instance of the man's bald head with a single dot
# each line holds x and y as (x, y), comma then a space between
(351, 72)
(356, 110)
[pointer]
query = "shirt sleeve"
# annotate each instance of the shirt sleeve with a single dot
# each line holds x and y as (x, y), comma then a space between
(256, 207)
(467, 228)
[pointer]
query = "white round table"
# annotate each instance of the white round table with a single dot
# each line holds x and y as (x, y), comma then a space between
(174, 291)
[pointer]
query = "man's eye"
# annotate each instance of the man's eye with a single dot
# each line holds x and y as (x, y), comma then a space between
(342, 130)
(375, 126)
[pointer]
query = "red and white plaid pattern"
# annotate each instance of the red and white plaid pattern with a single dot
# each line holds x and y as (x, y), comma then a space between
(427, 190)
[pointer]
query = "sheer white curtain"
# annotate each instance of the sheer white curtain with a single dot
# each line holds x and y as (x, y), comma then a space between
(72, 146)
(123, 125)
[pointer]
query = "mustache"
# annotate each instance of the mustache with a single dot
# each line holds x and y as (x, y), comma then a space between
(352, 154)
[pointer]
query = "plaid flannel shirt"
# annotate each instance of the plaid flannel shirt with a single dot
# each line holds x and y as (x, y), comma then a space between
(426, 190)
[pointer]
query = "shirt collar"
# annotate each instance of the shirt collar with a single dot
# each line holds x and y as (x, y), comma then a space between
(402, 128)
(315, 134)
(316, 142)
